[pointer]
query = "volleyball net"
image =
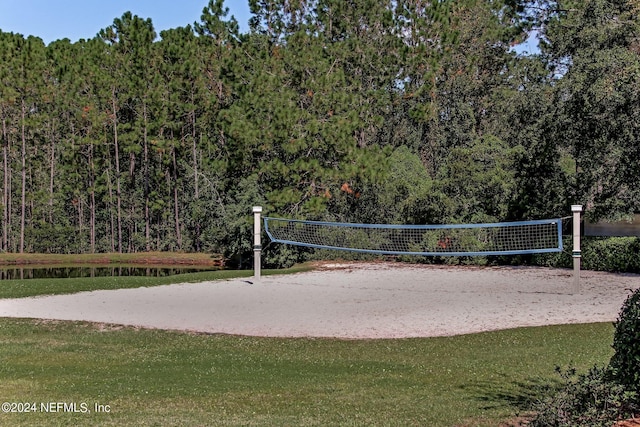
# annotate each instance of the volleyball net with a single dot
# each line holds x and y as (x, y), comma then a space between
(503, 238)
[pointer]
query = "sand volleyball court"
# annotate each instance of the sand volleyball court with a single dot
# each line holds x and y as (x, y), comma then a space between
(352, 300)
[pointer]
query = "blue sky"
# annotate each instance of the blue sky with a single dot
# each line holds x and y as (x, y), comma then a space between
(75, 19)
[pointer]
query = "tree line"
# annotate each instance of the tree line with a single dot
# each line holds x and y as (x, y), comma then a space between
(393, 111)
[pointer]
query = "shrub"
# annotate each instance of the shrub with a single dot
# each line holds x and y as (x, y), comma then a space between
(282, 256)
(615, 254)
(625, 362)
(603, 395)
(589, 400)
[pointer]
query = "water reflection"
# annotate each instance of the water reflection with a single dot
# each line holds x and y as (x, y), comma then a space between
(21, 273)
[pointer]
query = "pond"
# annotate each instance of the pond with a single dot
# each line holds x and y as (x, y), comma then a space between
(49, 272)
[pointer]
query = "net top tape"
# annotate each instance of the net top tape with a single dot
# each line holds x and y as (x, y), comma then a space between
(557, 221)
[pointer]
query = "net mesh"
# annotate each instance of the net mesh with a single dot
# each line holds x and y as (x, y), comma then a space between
(506, 238)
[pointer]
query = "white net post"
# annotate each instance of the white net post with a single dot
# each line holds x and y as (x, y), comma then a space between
(576, 254)
(257, 244)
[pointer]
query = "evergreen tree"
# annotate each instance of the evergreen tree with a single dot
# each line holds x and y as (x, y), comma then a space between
(598, 43)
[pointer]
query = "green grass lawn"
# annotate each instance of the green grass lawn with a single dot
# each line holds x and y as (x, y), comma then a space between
(153, 377)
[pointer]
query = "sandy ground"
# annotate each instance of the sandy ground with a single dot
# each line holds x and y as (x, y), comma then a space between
(378, 300)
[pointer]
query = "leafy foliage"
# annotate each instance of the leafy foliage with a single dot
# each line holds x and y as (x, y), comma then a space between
(616, 254)
(613, 254)
(602, 395)
(585, 400)
(625, 363)
(594, 48)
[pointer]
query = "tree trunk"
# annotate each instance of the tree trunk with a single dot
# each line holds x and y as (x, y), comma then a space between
(175, 199)
(93, 219)
(195, 181)
(92, 202)
(52, 167)
(23, 159)
(6, 195)
(111, 221)
(80, 246)
(117, 157)
(147, 224)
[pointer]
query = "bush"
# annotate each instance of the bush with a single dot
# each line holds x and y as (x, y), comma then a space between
(589, 400)
(615, 254)
(282, 256)
(603, 395)
(625, 362)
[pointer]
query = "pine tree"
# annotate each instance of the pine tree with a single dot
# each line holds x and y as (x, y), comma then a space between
(23, 74)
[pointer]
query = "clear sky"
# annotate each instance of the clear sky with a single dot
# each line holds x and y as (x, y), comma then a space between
(82, 19)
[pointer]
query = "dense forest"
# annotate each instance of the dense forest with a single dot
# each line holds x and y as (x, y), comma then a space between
(386, 111)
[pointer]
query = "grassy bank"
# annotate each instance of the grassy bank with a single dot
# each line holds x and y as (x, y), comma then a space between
(146, 258)
(35, 287)
(152, 377)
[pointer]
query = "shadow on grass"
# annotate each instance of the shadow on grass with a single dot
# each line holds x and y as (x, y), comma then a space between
(522, 396)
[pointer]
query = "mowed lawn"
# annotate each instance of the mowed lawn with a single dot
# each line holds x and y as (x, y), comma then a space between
(143, 377)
